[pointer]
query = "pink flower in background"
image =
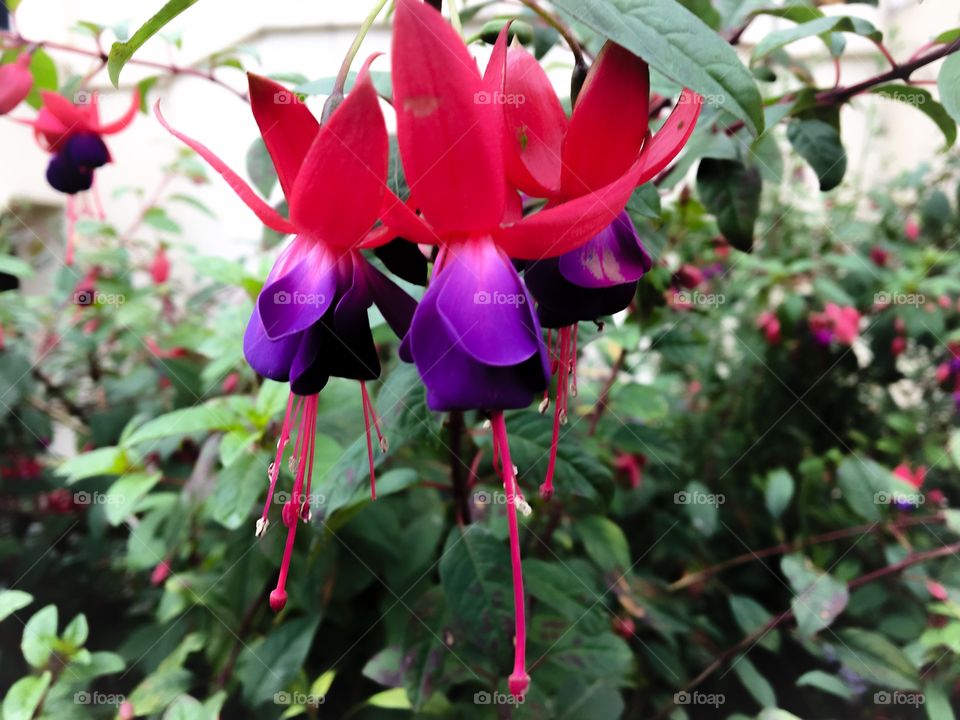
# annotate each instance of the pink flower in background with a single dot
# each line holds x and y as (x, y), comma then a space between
(16, 81)
(689, 276)
(769, 324)
(914, 477)
(879, 256)
(835, 323)
(160, 266)
(911, 229)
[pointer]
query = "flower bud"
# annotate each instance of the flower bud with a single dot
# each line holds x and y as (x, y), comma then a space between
(160, 266)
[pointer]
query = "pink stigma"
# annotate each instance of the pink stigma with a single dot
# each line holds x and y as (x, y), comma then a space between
(278, 600)
(519, 680)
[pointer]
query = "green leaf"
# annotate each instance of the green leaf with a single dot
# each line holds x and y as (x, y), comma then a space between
(798, 13)
(820, 598)
(731, 191)
(826, 682)
(678, 44)
(157, 218)
(186, 707)
(238, 487)
(214, 415)
(751, 616)
(701, 507)
(819, 26)
(876, 659)
(13, 600)
(125, 493)
(260, 167)
(948, 82)
(779, 491)
(863, 482)
(268, 665)
(39, 636)
(44, 71)
(754, 682)
(102, 461)
(393, 699)
(645, 202)
(819, 144)
(604, 542)
(15, 266)
(121, 52)
(77, 631)
(476, 582)
(937, 701)
(24, 697)
(923, 101)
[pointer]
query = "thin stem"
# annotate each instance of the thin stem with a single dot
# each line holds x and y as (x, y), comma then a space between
(561, 27)
(605, 392)
(886, 53)
(458, 479)
(455, 17)
(337, 96)
(747, 642)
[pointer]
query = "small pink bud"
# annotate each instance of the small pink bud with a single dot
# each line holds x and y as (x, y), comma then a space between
(944, 302)
(230, 383)
(160, 573)
(16, 81)
(911, 229)
(278, 600)
(126, 711)
(879, 256)
(160, 266)
(624, 627)
(937, 591)
(898, 345)
(689, 276)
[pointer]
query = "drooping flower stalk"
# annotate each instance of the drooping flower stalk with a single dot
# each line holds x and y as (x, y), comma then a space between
(519, 680)
(565, 352)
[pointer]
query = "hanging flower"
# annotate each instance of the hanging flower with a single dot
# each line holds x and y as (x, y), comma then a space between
(160, 266)
(552, 157)
(310, 320)
(835, 323)
(73, 134)
(16, 81)
(475, 337)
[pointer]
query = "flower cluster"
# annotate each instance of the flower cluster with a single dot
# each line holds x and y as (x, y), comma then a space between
(496, 189)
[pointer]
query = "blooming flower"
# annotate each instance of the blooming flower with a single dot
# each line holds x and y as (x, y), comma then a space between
(475, 337)
(769, 324)
(73, 134)
(835, 322)
(549, 156)
(310, 320)
(16, 81)
(914, 477)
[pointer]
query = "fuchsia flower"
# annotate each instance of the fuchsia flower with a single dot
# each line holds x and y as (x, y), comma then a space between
(160, 266)
(310, 320)
(835, 322)
(911, 229)
(74, 134)
(16, 81)
(605, 140)
(475, 337)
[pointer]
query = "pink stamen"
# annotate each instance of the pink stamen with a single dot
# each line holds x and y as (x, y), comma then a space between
(367, 411)
(559, 410)
(274, 471)
(293, 507)
(519, 680)
(71, 228)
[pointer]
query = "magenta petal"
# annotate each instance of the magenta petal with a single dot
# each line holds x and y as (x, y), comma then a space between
(299, 297)
(613, 256)
(394, 304)
(485, 304)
